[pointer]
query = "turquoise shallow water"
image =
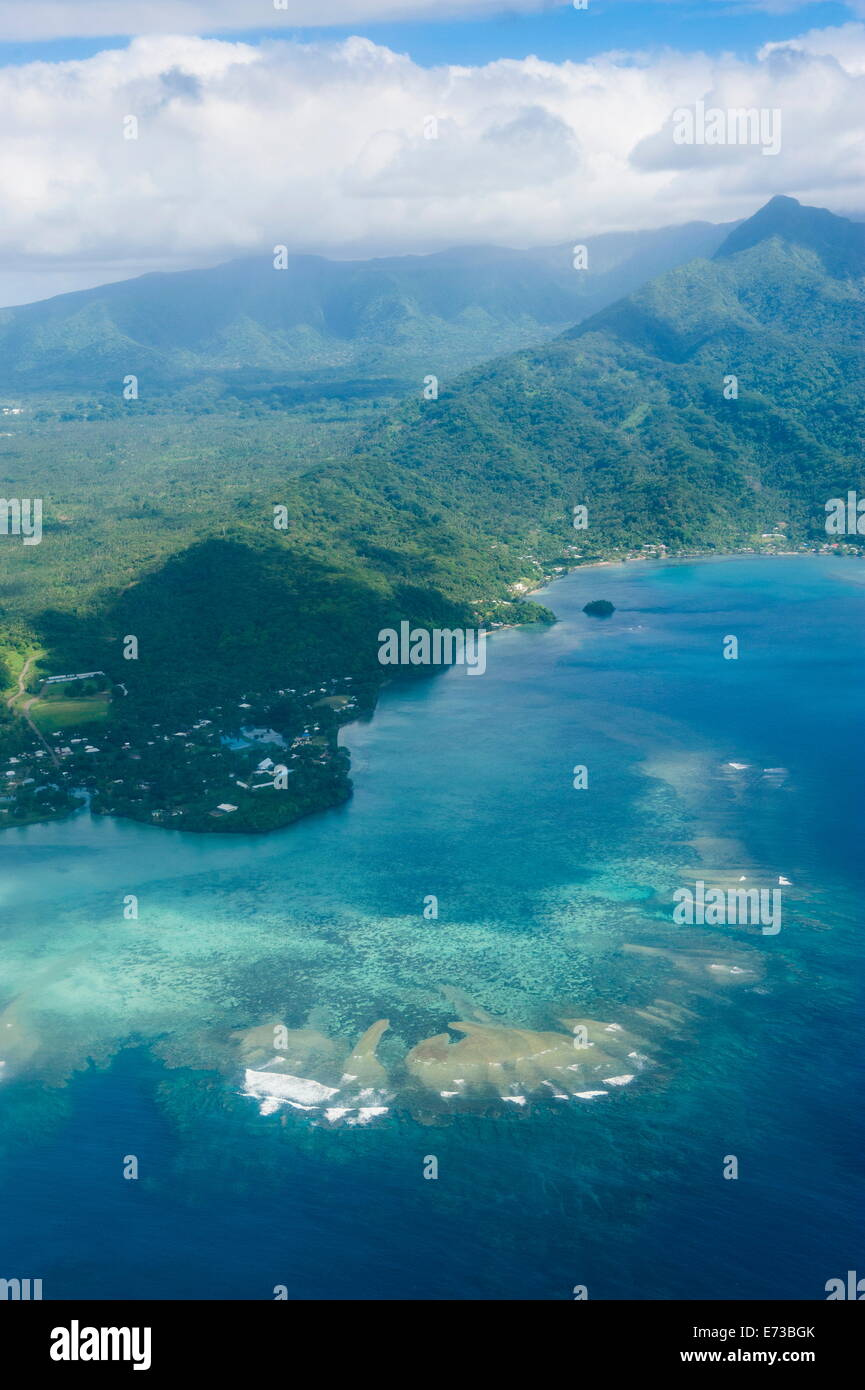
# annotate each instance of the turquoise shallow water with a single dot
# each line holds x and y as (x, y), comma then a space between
(117, 1035)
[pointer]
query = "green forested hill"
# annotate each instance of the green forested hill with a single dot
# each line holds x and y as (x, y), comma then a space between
(627, 413)
(450, 501)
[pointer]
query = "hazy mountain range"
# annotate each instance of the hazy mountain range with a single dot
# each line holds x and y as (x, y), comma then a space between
(396, 316)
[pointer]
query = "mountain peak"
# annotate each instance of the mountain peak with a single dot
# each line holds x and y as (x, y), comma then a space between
(839, 242)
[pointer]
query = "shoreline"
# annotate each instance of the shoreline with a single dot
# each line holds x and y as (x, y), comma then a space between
(689, 558)
(543, 588)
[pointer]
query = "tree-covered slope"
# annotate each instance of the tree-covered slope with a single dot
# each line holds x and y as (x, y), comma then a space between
(628, 413)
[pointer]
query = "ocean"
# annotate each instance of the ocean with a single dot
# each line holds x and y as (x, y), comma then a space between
(469, 880)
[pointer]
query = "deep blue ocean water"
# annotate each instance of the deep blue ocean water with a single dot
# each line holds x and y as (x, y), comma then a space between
(117, 1035)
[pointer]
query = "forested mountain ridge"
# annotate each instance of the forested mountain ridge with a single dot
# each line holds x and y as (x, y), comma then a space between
(720, 400)
(393, 315)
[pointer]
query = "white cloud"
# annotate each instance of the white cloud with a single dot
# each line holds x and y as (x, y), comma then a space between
(846, 43)
(42, 19)
(34, 19)
(323, 147)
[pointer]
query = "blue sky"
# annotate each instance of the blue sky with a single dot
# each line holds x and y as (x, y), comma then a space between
(556, 35)
(605, 25)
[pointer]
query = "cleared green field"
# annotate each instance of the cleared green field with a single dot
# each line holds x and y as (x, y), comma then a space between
(55, 714)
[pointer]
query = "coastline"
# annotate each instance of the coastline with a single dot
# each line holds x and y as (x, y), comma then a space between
(681, 557)
(227, 825)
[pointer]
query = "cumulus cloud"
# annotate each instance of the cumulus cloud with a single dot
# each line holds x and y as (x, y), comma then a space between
(809, 93)
(846, 44)
(349, 148)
